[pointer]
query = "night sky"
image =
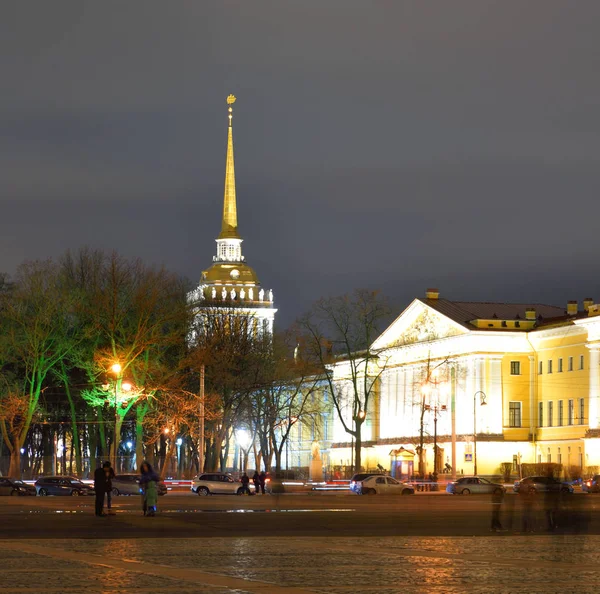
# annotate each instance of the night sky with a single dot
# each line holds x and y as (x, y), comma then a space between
(392, 145)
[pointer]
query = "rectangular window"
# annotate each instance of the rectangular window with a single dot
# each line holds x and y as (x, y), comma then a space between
(571, 412)
(559, 457)
(540, 368)
(559, 370)
(570, 368)
(541, 414)
(515, 463)
(580, 361)
(560, 413)
(550, 413)
(549, 457)
(581, 411)
(549, 365)
(514, 414)
(515, 367)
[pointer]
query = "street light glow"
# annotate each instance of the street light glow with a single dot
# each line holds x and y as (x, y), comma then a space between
(126, 387)
(179, 441)
(116, 368)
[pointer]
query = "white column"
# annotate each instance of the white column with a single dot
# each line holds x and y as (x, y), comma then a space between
(532, 408)
(594, 385)
(493, 412)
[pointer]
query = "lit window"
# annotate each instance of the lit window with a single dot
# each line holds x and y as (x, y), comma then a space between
(514, 414)
(559, 457)
(571, 414)
(540, 368)
(560, 413)
(549, 457)
(515, 368)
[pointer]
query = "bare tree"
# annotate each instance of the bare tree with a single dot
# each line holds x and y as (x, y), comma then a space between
(341, 331)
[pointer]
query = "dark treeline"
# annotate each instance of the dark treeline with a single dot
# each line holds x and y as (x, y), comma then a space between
(97, 361)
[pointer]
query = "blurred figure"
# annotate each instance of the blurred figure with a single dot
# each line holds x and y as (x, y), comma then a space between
(148, 482)
(552, 498)
(263, 481)
(109, 474)
(100, 489)
(497, 500)
(256, 481)
(528, 498)
(245, 482)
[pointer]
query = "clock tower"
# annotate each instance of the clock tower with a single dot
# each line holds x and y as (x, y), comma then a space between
(230, 285)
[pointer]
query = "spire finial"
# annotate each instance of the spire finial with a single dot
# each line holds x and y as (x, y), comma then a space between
(229, 223)
(230, 102)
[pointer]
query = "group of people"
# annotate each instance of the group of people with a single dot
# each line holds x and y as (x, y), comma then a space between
(103, 477)
(259, 481)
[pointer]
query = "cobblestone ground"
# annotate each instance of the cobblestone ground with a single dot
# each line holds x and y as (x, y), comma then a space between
(496, 563)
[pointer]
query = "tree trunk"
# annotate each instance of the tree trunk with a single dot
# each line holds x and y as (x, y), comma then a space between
(140, 413)
(358, 448)
(74, 430)
(15, 462)
(101, 433)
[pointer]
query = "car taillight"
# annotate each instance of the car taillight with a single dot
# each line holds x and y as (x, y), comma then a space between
(589, 483)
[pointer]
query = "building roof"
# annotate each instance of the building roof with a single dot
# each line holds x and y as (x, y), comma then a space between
(464, 312)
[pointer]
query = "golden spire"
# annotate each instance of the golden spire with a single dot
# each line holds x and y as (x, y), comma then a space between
(229, 225)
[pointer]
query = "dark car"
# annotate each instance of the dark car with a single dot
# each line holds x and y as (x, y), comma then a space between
(11, 486)
(129, 484)
(62, 485)
(468, 485)
(541, 484)
(357, 479)
(592, 485)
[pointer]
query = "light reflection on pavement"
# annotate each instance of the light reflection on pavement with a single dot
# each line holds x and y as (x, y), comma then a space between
(302, 565)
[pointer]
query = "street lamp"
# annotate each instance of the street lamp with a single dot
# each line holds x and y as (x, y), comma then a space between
(437, 408)
(116, 369)
(482, 402)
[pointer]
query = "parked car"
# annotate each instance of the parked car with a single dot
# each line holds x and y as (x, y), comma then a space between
(541, 484)
(357, 479)
(217, 483)
(129, 484)
(11, 486)
(62, 485)
(384, 485)
(592, 485)
(475, 485)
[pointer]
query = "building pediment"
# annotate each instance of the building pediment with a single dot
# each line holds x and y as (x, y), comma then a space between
(418, 323)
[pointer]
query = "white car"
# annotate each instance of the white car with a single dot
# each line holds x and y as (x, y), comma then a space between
(384, 485)
(217, 483)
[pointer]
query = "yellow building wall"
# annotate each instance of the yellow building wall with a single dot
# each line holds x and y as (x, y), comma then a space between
(516, 388)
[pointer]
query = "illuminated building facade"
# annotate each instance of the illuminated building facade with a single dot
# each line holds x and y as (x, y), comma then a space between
(504, 383)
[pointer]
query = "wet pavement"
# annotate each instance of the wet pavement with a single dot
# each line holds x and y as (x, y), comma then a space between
(297, 565)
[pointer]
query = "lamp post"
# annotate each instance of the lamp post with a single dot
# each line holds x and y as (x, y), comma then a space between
(116, 369)
(482, 402)
(437, 407)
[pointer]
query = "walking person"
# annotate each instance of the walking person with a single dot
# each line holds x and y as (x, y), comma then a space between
(100, 489)
(109, 474)
(528, 497)
(148, 486)
(245, 482)
(497, 500)
(263, 481)
(256, 481)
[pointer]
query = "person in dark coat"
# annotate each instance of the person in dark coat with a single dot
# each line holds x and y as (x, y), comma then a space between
(245, 482)
(263, 481)
(497, 500)
(256, 481)
(109, 474)
(100, 489)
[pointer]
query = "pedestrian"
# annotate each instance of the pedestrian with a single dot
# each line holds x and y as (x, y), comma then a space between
(148, 483)
(100, 489)
(256, 481)
(551, 505)
(109, 474)
(497, 500)
(245, 482)
(528, 497)
(263, 481)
